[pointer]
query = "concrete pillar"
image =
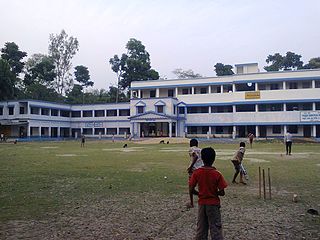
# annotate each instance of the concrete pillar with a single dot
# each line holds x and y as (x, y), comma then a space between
(221, 88)
(314, 131)
(313, 83)
(284, 86)
(131, 94)
(70, 132)
(284, 129)
(257, 131)
(256, 87)
(233, 87)
(170, 129)
(210, 129)
(28, 130)
(177, 129)
(49, 131)
(157, 92)
(58, 131)
(313, 106)
(209, 90)
(234, 132)
(177, 92)
(139, 93)
(209, 109)
(92, 131)
(284, 107)
(257, 108)
(192, 90)
(233, 108)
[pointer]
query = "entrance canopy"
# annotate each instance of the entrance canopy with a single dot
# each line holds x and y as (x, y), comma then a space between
(152, 116)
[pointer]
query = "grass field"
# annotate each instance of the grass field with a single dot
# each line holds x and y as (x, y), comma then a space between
(57, 190)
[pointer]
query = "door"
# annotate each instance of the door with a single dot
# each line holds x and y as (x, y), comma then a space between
(307, 131)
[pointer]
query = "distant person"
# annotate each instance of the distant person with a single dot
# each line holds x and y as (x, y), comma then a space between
(83, 140)
(112, 137)
(237, 162)
(195, 158)
(288, 142)
(2, 137)
(250, 137)
(211, 185)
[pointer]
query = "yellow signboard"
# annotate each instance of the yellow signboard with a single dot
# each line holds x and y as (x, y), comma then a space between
(252, 95)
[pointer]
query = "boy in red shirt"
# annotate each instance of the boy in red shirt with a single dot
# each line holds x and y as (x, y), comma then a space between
(211, 185)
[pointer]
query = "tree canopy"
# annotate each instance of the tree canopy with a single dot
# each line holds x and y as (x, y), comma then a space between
(82, 76)
(180, 73)
(222, 70)
(6, 81)
(291, 61)
(134, 65)
(62, 49)
(13, 56)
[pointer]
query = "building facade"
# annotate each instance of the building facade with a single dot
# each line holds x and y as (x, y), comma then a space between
(266, 104)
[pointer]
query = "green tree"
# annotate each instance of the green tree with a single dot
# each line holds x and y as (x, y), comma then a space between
(7, 79)
(135, 65)
(40, 69)
(312, 64)
(76, 96)
(222, 70)
(290, 61)
(13, 56)
(82, 76)
(180, 73)
(62, 49)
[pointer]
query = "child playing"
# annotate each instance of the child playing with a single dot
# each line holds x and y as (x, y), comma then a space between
(237, 162)
(195, 159)
(211, 185)
(83, 140)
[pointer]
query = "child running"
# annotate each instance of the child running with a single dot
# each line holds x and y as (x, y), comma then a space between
(237, 162)
(195, 158)
(211, 185)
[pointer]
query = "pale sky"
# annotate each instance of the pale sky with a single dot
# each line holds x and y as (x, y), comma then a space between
(185, 34)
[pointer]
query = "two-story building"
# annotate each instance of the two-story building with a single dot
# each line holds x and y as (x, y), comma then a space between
(267, 104)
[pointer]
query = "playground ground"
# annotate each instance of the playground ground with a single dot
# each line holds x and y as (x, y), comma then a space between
(57, 190)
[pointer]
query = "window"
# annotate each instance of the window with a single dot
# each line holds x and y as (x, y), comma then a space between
(123, 131)
(65, 113)
(192, 130)
(87, 113)
(97, 131)
(111, 131)
(87, 131)
(170, 93)
(219, 129)
(124, 112)
(1, 110)
(245, 87)
(274, 86)
(204, 130)
(186, 91)
(262, 86)
(246, 108)
(227, 88)
(293, 85)
(11, 110)
(159, 109)
(45, 111)
(216, 89)
(221, 109)
(306, 84)
(197, 109)
(317, 107)
(111, 113)
(152, 93)
(293, 129)
(76, 114)
(270, 107)
(21, 110)
(276, 129)
(140, 109)
(99, 113)
(181, 110)
(203, 90)
(35, 110)
(54, 112)
(317, 83)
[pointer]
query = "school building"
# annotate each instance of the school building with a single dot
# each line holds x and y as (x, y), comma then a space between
(267, 104)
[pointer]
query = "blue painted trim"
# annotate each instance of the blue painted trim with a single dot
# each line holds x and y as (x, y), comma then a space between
(182, 85)
(153, 98)
(277, 80)
(181, 103)
(250, 124)
(83, 121)
(48, 107)
(245, 64)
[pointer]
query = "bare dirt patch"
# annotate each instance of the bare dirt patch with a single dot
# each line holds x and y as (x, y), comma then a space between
(152, 216)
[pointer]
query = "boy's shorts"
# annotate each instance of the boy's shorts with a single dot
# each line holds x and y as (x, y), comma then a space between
(236, 165)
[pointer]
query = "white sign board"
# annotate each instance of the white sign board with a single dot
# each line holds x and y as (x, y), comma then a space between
(310, 116)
